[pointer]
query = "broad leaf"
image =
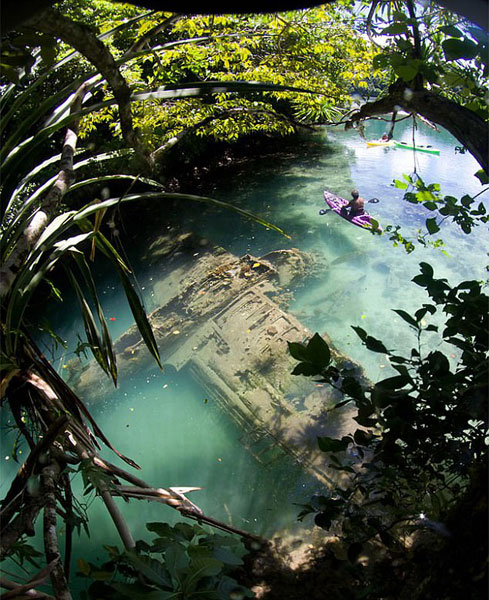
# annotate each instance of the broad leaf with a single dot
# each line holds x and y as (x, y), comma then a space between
(318, 351)
(456, 49)
(298, 351)
(151, 568)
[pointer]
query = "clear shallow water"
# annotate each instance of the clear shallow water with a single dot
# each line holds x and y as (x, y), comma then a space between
(172, 433)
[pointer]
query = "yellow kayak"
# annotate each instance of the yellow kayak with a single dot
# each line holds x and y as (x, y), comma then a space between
(389, 143)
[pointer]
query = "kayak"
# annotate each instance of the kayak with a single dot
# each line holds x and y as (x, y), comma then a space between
(420, 148)
(336, 203)
(388, 144)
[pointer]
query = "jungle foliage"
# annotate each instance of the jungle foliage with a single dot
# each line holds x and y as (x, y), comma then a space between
(421, 445)
(182, 561)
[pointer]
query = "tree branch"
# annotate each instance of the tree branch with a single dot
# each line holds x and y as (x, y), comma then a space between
(49, 481)
(140, 43)
(469, 129)
(84, 40)
(19, 590)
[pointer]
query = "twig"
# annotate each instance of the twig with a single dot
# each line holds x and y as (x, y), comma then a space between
(27, 589)
(22, 591)
(117, 517)
(220, 525)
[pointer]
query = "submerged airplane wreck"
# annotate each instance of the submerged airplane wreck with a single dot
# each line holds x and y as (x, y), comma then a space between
(224, 319)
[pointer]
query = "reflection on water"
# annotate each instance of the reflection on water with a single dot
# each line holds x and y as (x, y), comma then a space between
(164, 421)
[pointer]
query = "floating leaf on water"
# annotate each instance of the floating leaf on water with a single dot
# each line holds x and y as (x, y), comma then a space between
(255, 265)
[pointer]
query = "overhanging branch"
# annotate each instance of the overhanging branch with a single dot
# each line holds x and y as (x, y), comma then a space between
(85, 41)
(469, 129)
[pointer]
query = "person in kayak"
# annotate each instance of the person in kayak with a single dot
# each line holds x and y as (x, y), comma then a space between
(355, 205)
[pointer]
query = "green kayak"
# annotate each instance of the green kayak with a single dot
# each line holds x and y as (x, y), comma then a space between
(420, 148)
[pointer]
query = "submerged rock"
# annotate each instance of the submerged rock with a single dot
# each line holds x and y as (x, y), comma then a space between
(221, 318)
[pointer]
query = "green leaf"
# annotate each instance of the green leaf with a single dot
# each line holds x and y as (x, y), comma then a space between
(307, 369)
(93, 208)
(202, 88)
(323, 520)
(407, 317)
(184, 531)
(83, 567)
(397, 28)
(161, 529)
(106, 339)
(137, 591)
(452, 31)
(9, 72)
(176, 559)
(91, 331)
(354, 551)
(362, 438)
(407, 71)
(48, 53)
(298, 351)
(438, 362)
(362, 334)
(351, 387)
(226, 556)
(139, 315)
(427, 269)
(375, 345)
(318, 351)
(28, 278)
(432, 226)
(380, 61)
(421, 312)
(327, 444)
(394, 383)
(456, 49)
(151, 568)
(203, 567)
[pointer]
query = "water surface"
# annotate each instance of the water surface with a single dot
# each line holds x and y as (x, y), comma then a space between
(164, 420)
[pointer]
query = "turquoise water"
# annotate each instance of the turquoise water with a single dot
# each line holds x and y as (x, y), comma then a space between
(363, 276)
(163, 421)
